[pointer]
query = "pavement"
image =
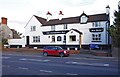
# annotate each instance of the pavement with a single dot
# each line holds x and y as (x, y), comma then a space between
(89, 56)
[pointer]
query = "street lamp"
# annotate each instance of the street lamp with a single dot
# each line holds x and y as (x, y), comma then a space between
(108, 26)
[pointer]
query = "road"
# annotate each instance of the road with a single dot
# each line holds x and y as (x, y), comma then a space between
(36, 64)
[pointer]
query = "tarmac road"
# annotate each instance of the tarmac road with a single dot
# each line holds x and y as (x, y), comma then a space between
(76, 64)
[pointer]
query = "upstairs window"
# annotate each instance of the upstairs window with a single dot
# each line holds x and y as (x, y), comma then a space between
(96, 24)
(65, 26)
(84, 19)
(53, 28)
(33, 28)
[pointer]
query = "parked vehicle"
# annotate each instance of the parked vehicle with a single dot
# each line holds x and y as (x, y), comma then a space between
(55, 50)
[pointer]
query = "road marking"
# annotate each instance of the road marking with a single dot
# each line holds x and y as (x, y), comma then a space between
(5, 57)
(46, 71)
(91, 64)
(85, 58)
(22, 55)
(23, 68)
(71, 74)
(25, 59)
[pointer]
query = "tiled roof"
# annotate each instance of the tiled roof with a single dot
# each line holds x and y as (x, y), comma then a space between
(71, 20)
(40, 19)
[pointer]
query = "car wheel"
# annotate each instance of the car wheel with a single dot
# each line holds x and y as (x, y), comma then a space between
(45, 54)
(61, 54)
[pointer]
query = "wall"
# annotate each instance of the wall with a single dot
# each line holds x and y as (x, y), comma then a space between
(6, 32)
(16, 42)
(46, 39)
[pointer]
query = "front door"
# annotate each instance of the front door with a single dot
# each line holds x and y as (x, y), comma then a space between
(27, 41)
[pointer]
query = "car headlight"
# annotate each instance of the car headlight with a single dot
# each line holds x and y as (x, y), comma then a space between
(65, 51)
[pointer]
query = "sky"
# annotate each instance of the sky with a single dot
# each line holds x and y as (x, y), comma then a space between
(19, 12)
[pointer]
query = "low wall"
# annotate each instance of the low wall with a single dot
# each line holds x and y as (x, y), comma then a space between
(115, 52)
(16, 42)
(33, 50)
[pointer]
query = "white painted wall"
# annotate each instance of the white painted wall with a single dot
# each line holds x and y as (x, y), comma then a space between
(16, 42)
(46, 39)
(68, 42)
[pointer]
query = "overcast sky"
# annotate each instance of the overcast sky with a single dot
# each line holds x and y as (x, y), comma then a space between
(19, 12)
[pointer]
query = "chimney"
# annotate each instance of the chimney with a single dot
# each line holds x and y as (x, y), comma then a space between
(60, 15)
(49, 15)
(107, 10)
(4, 20)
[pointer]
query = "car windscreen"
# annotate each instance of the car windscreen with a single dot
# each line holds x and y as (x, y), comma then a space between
(59, 48)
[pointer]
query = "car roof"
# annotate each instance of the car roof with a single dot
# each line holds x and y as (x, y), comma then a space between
(51, 46)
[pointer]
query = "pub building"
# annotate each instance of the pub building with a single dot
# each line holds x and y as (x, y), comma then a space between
(70, 33)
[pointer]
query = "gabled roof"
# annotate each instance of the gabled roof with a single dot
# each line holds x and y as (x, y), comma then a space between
(40, 19)
(77, 31)
(71, 20)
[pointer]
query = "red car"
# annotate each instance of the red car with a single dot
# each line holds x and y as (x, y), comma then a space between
(55, 50)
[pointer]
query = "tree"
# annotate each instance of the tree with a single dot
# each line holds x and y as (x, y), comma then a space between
(115, 30)
(4, 41)
(115, 34)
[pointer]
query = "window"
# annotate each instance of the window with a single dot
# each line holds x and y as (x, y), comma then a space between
(65, 26)
(53, 38)
(36, 38)
(96, 24)
(33, 28)
(59, 38)
(84, 19)
(53, 28)
(96, 37)
(72, 38)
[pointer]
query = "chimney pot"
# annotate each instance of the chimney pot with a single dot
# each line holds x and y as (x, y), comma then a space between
(4, 20)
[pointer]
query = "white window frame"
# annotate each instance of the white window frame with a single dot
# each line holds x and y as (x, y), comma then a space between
(33, 28)
(53, 28)
(59, 38)
(65, 26)
(96, 37)
(70, 38)
(53, 38)
(36, 38)
(96, 24)
(84, 19)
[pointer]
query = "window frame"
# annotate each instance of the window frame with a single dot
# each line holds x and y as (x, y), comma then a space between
(36, 39)
(72, 38)
(65, 26)
(96, 37)
(83, 19)
(53, 38)
(59, 38)
(53, 28)
(33, 28)
(96, 24)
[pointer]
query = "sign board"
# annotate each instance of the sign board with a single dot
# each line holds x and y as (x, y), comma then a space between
(96, 29)
(94, 46)
(55, 32)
